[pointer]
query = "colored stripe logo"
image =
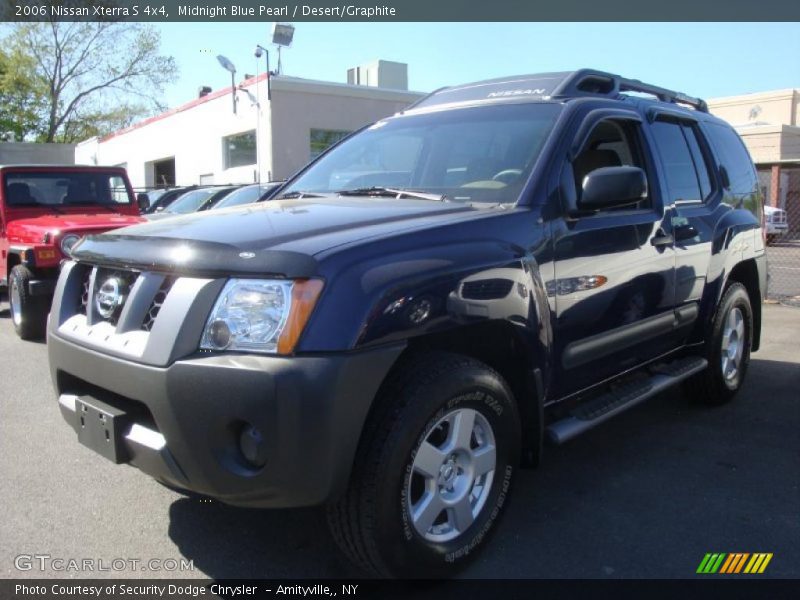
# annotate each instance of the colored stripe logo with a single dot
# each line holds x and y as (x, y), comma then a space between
(733, 563)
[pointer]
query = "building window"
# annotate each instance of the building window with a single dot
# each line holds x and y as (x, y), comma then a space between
(239, 150)
(322, 139)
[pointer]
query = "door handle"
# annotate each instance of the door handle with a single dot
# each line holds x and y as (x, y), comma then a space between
(662, 239)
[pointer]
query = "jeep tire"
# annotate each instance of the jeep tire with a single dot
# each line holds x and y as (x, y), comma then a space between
(433, 469)
(727, 351)
(28, 313)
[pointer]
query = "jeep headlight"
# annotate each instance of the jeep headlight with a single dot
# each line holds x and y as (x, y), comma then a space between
(260, 315)
(67, 242)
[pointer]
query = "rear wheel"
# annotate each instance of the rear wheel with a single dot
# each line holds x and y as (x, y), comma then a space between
(727, 351)
(28, 313)
(433, 469)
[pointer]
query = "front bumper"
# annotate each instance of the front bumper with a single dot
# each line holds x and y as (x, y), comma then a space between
(183, 421)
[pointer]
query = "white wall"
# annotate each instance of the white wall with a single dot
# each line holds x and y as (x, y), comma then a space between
(193, 133)
(298, 106)
(37, 154)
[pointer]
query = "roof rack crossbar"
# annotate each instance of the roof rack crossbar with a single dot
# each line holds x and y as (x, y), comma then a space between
(590, 82)
(663, 94)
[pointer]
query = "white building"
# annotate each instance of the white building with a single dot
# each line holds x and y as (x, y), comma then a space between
(769, 124)
(205, 142)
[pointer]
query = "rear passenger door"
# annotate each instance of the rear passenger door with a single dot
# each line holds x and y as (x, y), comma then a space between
(691, 197)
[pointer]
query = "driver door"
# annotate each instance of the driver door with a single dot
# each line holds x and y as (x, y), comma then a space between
(614, 268)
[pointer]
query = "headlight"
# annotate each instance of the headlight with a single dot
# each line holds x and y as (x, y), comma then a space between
(67, 242)
(256, 315)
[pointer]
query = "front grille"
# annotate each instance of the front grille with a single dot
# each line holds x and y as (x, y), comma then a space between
(155, 305)
(486, 289)
(126, 279)
(87, 278)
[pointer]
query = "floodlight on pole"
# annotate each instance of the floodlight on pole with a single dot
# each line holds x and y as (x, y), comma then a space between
(282, 36)
(229, 66)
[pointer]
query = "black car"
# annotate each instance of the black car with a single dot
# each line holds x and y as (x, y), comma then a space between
(195, 200)
(421, 308)
(161, 199)
(248, 194)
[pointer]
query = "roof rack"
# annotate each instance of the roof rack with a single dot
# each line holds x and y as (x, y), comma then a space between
(588, 82)
(544, 86)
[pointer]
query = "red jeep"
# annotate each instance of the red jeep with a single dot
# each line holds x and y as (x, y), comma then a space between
(44, 211)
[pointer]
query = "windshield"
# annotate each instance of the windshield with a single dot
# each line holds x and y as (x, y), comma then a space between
(64, 189)
(482, 154)
(191, 201)
(244, 195)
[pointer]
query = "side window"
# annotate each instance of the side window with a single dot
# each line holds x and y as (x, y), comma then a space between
(612, 143)
(743, 188)
(699, 159)
(117, 189)
(685, 169)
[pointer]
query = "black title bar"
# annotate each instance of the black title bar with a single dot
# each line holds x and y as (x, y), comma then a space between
(399, 10)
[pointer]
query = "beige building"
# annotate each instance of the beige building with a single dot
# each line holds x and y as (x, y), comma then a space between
(768, 122)
(277, 126)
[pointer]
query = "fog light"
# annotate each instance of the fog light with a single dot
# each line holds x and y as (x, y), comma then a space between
(253, 447)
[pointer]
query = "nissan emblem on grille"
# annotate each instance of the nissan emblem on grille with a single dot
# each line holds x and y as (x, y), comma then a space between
(109, 297)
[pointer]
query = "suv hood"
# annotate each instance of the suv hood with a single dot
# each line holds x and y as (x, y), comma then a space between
(32, 230)
(277, 237)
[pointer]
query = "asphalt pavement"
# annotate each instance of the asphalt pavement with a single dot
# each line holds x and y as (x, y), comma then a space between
(645, 495)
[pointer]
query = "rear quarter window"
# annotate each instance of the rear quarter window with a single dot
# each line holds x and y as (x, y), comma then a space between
(742, 190)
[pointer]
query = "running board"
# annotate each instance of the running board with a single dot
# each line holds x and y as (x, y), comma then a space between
(610, 404)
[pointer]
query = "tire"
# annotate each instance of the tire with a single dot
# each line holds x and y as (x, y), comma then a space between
(28, 313)
(771, 239)
(418, 414)
(727, 364)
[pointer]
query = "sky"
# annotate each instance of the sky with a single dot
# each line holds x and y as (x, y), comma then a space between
(701, 59)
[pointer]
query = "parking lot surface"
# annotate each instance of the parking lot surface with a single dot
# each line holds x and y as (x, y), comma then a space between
(645, 495)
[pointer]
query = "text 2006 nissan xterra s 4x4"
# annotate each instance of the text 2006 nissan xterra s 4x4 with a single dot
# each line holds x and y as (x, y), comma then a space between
(416, 311)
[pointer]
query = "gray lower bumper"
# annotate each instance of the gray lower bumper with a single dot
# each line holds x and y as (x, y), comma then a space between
(182, 422)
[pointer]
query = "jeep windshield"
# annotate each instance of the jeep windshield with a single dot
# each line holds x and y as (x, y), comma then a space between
(53, 189)
(479, 154)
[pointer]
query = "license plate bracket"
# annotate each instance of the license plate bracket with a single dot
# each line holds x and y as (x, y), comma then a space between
(101, 427)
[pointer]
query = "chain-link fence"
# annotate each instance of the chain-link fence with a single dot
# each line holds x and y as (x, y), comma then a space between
(781, 187)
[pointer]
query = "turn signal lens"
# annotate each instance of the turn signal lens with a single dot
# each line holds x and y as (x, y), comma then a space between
(304, 297)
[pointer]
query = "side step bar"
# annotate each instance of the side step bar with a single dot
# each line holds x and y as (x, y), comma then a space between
(610, 404)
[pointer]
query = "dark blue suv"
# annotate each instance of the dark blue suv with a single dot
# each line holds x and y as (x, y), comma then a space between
(418, 310)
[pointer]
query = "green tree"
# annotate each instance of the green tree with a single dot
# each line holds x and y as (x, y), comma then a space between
(20, 97)
(87, 78)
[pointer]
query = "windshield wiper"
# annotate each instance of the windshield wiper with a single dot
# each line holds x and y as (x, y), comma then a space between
(298, 195)
(397, 193)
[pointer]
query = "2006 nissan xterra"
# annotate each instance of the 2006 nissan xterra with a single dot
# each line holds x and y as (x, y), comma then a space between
(420, 308)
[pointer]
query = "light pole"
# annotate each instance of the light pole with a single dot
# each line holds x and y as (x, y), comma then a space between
(229, 66)
(258, 52)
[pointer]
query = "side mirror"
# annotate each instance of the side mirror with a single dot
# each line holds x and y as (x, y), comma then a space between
(143, 200)
(613, 187)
